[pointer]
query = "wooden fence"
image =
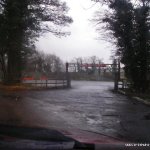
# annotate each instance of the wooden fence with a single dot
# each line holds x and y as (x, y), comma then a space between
(49, 83)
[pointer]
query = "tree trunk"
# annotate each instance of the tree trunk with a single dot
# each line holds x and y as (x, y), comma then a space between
(13, 75)
(3, 66)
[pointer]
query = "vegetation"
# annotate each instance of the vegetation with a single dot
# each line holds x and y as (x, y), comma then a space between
(128, 24)
(41, 64)
(90, 68)
(80, 64)
(21, 23)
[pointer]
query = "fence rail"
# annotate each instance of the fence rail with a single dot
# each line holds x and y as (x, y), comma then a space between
(50, 83)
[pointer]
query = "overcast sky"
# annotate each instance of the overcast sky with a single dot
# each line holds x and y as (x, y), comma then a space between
(82, 41)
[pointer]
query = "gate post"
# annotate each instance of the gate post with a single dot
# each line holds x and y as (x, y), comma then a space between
(68, 76)
(115, 75)
(119, 69)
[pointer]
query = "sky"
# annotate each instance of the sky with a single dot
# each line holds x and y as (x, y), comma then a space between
(82, 41)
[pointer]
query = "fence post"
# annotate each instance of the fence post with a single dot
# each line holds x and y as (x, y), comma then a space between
(63, 83)
(36, 82)
(68, 76)
(118, 69)
(46, 83)
(56, 83)
(122, 84)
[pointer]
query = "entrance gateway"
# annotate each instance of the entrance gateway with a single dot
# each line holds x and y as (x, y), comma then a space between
(95, 72)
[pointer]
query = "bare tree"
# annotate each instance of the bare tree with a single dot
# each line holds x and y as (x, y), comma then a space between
(44, 64)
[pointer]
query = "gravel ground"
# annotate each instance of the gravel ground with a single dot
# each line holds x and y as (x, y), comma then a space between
(88, 105)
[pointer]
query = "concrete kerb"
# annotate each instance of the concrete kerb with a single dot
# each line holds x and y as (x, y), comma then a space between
(135, 98)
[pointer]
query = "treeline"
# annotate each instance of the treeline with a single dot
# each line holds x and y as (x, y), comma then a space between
(81, 61)
(90, 68)
(126, 23)
(40, 64)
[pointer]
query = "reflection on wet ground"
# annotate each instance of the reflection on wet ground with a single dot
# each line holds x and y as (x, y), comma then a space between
(87, 105)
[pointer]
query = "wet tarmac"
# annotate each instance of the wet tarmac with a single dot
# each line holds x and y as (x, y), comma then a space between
(88, 105)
